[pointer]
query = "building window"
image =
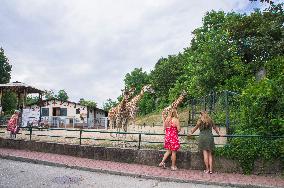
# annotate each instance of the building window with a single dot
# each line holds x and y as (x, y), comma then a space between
(63, 111)
(78, 111)
(45, 112)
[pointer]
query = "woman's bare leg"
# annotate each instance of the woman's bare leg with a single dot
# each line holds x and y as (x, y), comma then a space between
(166, 155)
(174, 154)
(210, 159)
(205, 157)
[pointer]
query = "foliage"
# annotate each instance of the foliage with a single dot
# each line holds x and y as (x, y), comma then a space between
(248, 150)
(109, 104)
(9, 102)
(166, 73)
(88, 103)
(146, 104)
(137, 78)
(49, 94)
(32, 100)
(62, 95)
(9, 99)
(213, 55)
(5, 68)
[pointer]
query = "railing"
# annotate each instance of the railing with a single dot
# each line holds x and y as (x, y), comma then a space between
(32, 130)
(60, 122)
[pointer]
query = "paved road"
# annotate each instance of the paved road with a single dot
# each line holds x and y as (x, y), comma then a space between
(20, 174)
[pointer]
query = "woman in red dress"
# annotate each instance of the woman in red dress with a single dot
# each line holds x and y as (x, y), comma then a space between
(172, 128)
(13, 124)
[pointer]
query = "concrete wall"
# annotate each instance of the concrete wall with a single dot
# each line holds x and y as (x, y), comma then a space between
(186, 160)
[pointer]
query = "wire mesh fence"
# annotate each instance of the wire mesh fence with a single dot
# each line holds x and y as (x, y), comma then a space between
(222, 107)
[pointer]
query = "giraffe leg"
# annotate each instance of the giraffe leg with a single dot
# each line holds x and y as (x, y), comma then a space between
(111, 123)
(124, 123)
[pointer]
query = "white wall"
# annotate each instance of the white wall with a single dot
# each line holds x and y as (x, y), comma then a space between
(71, 108)
(33, 111)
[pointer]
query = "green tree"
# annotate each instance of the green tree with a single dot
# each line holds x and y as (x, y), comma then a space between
(9, 100)
(213, 60)
(32, 100)
(88, 103)
(62, 95)
(5, 68)
(137, 78)
(164, 76)
(263, 101)
(259, 37)
(109, 104)
(49, 94)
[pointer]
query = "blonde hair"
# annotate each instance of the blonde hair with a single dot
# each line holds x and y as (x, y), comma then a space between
(173, 113)
(205, 119)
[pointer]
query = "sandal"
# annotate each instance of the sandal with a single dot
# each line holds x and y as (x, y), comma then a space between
(162, 164)
(174, 168)
(206, 171)
(210, 172)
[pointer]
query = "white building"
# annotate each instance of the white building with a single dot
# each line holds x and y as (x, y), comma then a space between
(56, 113)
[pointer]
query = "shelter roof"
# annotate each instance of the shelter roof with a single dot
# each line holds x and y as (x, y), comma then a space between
(19, 87)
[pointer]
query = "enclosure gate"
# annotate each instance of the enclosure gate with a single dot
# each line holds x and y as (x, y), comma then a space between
(219, 105)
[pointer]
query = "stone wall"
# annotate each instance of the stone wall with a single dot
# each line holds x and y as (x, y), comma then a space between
(185, 160)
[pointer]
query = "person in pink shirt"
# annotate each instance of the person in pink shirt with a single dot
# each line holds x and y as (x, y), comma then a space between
(13, 124)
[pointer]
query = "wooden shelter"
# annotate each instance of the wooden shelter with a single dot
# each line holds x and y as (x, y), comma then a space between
(21, 89)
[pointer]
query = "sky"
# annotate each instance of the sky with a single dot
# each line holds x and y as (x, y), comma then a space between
(87, 47)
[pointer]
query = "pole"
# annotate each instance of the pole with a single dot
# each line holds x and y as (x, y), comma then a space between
(31, 131)
(40, 113)
(1, 96)
(80, 136)
(139, 142)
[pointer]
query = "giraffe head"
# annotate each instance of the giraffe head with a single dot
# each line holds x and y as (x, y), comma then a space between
(184, 93)
(148, 88)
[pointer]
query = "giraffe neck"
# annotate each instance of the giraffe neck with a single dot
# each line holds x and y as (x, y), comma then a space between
(137, 98)
(177, 101)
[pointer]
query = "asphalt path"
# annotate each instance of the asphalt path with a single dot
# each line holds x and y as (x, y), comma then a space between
(14, 174)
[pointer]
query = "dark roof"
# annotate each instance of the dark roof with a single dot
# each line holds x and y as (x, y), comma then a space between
(19, 87)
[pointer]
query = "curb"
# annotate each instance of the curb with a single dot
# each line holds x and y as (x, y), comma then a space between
(160, 178)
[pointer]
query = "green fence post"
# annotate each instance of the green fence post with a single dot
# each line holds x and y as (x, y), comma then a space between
(80, 136)
(31, 131)
(139, 141)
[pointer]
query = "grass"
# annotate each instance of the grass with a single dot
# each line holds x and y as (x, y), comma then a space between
(156, 118)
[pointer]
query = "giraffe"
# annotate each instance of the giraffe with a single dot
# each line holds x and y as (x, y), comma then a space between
(114, 111)
(132, 105)
(174, 105)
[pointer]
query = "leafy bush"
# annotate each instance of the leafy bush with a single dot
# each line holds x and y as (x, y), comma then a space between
(247, 150)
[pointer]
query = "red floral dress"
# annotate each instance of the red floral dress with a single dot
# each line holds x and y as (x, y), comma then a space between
(171, 138)
(13, 124)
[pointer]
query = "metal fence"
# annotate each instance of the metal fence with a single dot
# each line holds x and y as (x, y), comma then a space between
(34, 132)
(62, 122)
